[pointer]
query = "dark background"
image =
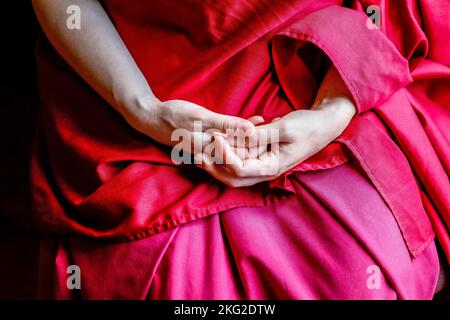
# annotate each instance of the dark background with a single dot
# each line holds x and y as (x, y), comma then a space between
(18, 105)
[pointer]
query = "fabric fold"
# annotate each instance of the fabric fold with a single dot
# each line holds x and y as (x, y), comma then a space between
(93, 175)
(354, 49)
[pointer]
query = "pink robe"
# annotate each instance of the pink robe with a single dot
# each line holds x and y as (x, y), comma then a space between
(245, 58)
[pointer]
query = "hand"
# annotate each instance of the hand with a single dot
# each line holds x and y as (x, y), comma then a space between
(159, 120)
(301, 134)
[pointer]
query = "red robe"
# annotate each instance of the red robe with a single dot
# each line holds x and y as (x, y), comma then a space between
(92, 174)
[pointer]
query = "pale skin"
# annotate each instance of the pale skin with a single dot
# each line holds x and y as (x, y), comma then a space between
(101, 58)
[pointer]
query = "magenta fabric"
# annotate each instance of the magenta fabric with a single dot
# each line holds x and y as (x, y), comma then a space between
(317, 244)
(245, 58)
(366, 199)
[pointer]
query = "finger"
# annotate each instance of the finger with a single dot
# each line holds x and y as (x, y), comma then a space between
(223, 175)
(250, 168)
(264, 135)
(242, 153)
(256, 120)
(238, 141)
(259, 137)
(239, 145)
(248, 153)
(256, 152)
(225, 153)
(227, 124)
(265, 166)
(199, 141)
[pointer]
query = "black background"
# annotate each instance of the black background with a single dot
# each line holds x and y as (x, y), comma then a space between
(18, 107)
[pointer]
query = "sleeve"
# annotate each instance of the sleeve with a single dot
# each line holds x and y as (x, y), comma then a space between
(369, 63)
(419, 29)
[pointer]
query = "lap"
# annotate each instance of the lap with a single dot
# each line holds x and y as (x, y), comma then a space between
(319, 243)
(335, 238)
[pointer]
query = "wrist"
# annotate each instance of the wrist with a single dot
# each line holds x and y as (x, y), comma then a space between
(336, 114)
(140, 109)
(337, 107)
(146, 103)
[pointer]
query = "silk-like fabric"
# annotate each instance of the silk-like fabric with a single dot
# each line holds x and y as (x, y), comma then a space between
(334, 239)
(94, 175)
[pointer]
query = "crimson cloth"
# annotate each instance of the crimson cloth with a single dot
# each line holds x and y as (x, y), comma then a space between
(321, 243)
(93, 175)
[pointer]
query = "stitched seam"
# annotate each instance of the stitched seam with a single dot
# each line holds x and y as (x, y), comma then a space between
(186, 217)
(378, 185)
(160, 261)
